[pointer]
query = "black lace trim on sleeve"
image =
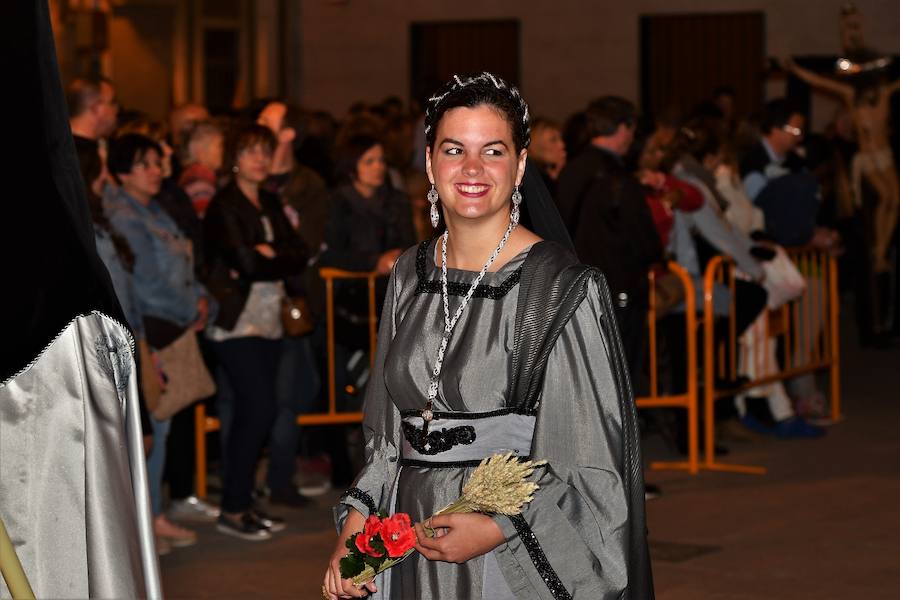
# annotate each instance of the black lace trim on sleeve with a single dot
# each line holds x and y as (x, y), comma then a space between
(457, 288)
(543, 566)
(361, 496)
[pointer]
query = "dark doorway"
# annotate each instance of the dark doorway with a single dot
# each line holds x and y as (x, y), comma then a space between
(221, 66)
(685, 57)
(439, 50)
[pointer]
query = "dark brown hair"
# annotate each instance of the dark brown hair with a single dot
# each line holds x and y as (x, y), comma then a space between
(126, 150)
(476, 90)
(604, 115)
(246, 136)
(348, 153)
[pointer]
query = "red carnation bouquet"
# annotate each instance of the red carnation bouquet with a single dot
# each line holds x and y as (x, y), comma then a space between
(383, 542)
(498, 485)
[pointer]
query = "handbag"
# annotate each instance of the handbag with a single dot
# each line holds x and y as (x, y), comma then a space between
(669, 293)
(296, 318)
(188, 380)
(150, 385)
(783, 281)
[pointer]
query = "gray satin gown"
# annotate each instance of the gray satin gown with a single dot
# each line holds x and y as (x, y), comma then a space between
(572, 540)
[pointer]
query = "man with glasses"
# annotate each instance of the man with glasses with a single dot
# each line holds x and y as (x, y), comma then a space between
(776, 179)
(773, 155)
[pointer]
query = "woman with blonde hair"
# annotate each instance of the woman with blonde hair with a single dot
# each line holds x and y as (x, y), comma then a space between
(547, 150)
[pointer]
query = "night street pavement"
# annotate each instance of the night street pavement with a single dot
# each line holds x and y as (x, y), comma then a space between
(822, 524)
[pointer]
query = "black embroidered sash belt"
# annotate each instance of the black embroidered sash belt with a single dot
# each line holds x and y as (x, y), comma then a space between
(465, 438)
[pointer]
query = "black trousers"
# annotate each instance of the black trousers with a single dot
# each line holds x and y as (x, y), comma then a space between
(251, 364)
(750, 301)
(179, 469)
(181, 444)
(632, 322)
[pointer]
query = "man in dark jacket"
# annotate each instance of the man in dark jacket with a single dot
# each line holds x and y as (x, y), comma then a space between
(777, 180)
(773, 154)
(606, 213)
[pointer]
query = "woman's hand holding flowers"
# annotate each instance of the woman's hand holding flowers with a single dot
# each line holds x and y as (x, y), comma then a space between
(459, 537)
(334, 585)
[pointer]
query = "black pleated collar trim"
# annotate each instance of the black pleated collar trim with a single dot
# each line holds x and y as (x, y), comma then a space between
(456, 288)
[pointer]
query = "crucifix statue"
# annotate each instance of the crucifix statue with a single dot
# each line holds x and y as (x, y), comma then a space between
(860, 81)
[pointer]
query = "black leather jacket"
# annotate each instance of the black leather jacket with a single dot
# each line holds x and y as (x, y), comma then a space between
(233, 227)
(360, 229)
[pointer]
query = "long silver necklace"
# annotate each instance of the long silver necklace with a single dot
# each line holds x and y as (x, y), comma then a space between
(449, 324)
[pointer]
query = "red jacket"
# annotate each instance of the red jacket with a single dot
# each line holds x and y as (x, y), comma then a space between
(663, 219)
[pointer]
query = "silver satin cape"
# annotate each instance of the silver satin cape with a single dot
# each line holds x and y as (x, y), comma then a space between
(73, 482)
(577, 523)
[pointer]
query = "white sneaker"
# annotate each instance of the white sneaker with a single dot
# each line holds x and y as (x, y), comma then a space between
(163, 546)
(314, 488)
(177, 537)
(193, 508)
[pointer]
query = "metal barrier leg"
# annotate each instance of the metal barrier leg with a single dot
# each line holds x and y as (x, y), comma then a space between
(709, 389)
(692, 464)
(688, 401)
(693, 436)
(200, 449)
(835, 339)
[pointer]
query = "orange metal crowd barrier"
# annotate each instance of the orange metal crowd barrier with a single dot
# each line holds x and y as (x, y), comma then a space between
(819, 268)
(808, 328)
(688, 399)
(205, 424)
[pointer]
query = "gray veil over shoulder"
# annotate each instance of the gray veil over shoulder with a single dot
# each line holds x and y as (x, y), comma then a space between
(545, 221)
(73, 485)
(539, 212)
(549, 296)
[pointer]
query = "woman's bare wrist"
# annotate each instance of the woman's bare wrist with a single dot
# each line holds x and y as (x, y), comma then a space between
(352, 524)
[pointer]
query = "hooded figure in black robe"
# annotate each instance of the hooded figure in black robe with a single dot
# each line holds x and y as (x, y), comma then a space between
(73, 487)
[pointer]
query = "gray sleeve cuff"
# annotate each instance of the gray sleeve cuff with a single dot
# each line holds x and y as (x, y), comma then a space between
(353, 498)
(506, 526)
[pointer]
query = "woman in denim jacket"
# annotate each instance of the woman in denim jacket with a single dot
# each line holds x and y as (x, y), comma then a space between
(169, 298)
(118, 259)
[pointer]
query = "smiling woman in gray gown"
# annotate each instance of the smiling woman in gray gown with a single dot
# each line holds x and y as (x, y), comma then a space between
(494, 339)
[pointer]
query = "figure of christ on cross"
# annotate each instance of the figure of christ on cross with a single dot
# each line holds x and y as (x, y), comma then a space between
(868, 100)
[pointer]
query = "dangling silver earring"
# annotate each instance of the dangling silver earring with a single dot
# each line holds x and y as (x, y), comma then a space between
(516, 201)
(235, 169)
(433, 199)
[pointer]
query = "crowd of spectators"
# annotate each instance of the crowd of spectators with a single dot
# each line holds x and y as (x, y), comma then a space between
(212, 228)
